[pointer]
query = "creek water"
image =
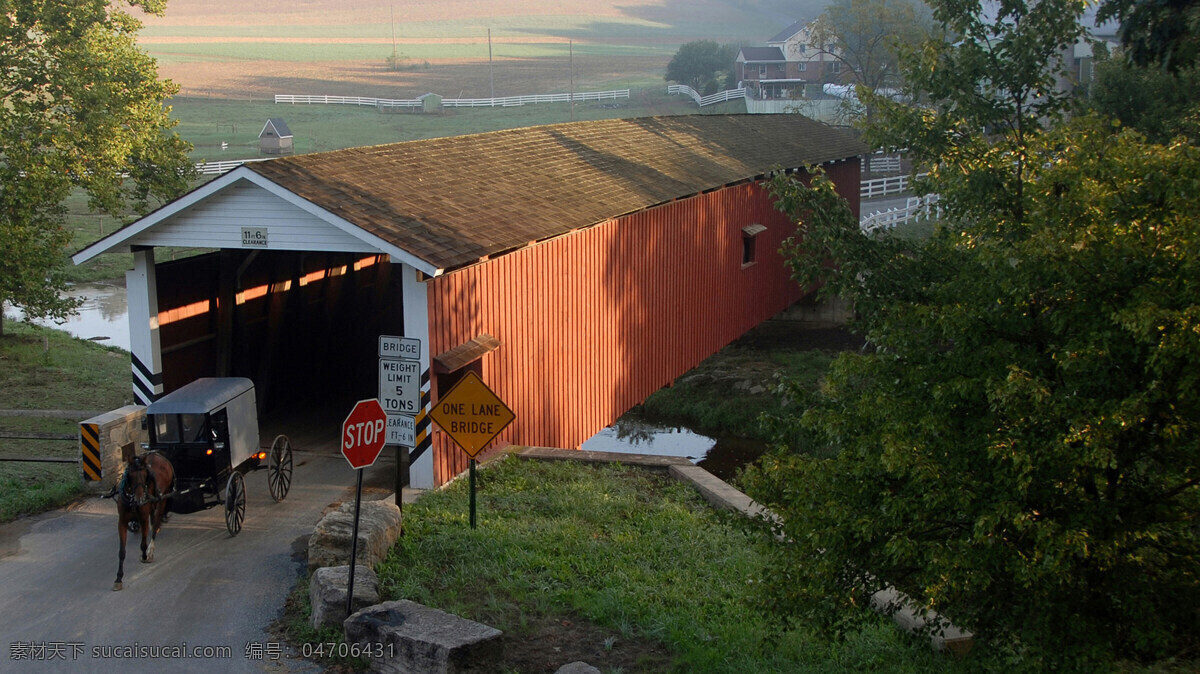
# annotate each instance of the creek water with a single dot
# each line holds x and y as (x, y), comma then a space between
(633, 434)
(103, 317)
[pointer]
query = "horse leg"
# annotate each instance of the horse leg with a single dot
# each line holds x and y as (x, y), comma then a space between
(156, 518)
(124, 532)
(144, 517)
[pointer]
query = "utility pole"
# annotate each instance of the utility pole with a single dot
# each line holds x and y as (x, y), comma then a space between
(392, 21)
(491, 73)
(571, 68)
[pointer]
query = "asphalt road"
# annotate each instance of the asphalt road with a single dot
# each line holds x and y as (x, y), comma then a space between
(205, 604)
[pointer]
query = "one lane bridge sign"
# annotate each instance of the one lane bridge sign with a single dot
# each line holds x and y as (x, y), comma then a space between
(471, 414)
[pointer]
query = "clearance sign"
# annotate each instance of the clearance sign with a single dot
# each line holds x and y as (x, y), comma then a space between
(471, 414)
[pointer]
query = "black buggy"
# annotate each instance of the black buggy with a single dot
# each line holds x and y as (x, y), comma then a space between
(209, 431)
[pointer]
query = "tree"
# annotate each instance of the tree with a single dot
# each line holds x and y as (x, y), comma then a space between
(868, 36)
(703, 65)
(1157, 33)
(1157, 103)
(1019, 450)
(980, 98)
(82, 107)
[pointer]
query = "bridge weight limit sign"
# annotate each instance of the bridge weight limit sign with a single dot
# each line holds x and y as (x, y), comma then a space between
(472, 415)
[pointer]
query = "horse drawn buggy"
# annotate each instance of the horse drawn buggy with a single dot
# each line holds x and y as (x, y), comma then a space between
(203, 441)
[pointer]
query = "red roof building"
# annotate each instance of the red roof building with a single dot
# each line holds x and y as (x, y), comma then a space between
(576, 268)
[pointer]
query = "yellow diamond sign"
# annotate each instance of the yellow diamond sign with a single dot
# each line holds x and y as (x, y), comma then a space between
(471, 414)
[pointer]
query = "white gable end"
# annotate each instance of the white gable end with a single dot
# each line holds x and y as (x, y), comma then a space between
(219, 221)
(244, 210)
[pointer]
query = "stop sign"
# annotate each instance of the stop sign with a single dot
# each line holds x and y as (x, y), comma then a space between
(363, 433)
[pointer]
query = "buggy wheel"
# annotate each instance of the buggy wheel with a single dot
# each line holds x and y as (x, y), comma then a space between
(279, 468)
(235, 503)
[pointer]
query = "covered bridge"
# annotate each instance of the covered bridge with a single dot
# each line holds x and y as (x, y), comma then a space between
(576, 267)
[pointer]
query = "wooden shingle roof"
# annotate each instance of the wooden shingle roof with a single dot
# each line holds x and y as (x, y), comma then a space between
(454, 201)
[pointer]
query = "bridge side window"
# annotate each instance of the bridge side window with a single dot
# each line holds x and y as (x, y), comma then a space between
(749, 244)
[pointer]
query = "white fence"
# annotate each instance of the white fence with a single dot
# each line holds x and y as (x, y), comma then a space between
(878, 164)
(869, 189)
(514, 101)
(504, 102)
(917, 209)
(711, 99)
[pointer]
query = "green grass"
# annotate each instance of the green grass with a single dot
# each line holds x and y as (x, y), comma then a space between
(701, 399)
(913, 230)
(48, 369)
(637, 557)
(206, 123)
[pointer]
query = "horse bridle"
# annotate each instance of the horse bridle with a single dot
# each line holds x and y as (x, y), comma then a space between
(131, 500)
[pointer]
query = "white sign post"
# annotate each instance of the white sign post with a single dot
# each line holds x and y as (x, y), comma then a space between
(400, 386)
(400, 396)
(401, 430)
(399, 347)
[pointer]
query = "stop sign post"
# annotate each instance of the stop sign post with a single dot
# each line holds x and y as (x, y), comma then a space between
(363, 433)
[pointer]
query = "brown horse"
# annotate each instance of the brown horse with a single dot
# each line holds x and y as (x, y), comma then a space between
(142, 498)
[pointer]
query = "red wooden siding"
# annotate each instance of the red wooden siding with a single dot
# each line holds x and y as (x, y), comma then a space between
(593, 322)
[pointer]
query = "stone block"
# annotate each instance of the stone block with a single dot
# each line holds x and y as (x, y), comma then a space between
(410, 637)
(378, 527)
(327, 593)
(577, 667)
(117, 436)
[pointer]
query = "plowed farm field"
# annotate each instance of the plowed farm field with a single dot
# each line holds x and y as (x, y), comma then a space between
(237, 50)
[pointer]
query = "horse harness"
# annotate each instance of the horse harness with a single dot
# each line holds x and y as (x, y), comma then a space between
(129, 497)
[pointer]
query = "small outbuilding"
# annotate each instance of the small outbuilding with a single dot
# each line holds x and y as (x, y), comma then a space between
(275, 137)
(575, 268)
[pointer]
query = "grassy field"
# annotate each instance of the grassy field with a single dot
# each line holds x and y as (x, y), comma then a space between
(627, 570)
(47, 369)
(206, 123)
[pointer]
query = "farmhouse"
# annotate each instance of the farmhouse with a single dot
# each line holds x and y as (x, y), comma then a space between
(576, 268)
(788, 62)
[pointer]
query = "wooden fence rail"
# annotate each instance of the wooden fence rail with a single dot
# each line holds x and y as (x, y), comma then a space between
(501, 102)
(711, 99)
(879, 187)
(917, 209)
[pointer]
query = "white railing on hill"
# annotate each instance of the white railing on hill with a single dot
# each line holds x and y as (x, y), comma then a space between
(514, 101)
(884, 164)
(344, 100)
(869, 189)
(711, 99)
(917, 209)
(502, 102)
